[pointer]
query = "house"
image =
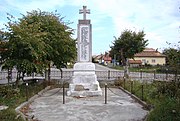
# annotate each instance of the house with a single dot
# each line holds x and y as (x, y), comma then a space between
(150, 56)
(105, 59)
(134, 63)
(97, 59)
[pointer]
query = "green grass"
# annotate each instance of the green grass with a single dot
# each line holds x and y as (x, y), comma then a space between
(139, 69)
(13, 97)
(158, 95)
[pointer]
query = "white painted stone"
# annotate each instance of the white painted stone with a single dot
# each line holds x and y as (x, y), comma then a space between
(85, 78)
(84, 81)
(84, 66)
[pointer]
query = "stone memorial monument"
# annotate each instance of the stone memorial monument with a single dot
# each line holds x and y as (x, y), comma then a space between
(84, 81)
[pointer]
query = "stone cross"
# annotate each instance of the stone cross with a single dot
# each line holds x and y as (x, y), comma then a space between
(84, 11)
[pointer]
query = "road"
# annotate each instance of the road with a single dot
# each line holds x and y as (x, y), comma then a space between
(103, 68)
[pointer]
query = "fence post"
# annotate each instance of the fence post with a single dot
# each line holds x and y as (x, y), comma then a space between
(141, 73)
(154, 74)
(105, 93)
(142, 92)
(124, 82)
(131, 86)
(27, 92)
(166, 74)
(61, 74)
(108, 74)
(63, 93)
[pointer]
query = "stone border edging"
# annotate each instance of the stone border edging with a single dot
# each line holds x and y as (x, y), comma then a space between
(144, 104)
(30, 101)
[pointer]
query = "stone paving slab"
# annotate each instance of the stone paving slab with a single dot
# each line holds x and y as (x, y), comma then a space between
(119, 107)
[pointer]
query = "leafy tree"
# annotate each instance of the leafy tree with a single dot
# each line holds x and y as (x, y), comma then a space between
(173, 59)
(36, 40)
(128, 44)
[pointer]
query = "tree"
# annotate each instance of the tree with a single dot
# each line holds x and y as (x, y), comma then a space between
(128, 44)
(35, 41)
(173, 59)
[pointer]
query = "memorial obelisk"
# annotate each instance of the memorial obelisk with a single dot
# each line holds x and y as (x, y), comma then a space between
(84, 81)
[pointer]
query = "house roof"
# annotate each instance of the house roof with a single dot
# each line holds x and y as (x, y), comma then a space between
(135, 62)
(107, 58)
(149, 52)
(98, 56)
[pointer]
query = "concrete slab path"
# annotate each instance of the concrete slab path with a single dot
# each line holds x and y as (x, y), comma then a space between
(119, 107)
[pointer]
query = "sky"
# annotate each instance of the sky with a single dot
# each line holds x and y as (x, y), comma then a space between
(159, 19)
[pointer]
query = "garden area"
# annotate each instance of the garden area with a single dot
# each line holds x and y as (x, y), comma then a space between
(162, 98)
(12, 97)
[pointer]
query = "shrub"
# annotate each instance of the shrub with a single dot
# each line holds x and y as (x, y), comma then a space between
(8, 91)
(9, 115)
(167, 110)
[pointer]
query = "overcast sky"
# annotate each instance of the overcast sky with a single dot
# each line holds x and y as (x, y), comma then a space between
(160, 19)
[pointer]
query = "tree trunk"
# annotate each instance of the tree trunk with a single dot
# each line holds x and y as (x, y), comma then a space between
(125, 64)
(17, 78)
(126, 69)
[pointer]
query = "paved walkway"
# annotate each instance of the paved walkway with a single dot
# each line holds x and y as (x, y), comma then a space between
(120, 107)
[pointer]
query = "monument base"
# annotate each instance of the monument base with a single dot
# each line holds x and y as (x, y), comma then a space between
(84, 81)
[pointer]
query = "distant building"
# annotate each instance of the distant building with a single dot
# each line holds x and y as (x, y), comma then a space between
(134, 63)
(107, 59)
(149, 56)
(97, 59)
(103, 58)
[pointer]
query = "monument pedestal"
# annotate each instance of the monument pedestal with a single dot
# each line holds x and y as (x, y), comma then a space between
(84, 81)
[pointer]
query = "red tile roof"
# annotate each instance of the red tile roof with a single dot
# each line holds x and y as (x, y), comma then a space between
(135, 62)
(107, 58)
(149, 52)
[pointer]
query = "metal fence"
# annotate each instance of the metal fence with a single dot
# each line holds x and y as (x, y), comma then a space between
(113, 75)
(101, 75)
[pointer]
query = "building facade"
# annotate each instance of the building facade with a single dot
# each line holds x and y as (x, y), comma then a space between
(150, 56)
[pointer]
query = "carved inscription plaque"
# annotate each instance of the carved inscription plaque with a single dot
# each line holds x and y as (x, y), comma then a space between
(84, 47)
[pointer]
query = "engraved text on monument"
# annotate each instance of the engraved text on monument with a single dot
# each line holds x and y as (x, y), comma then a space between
(84, 43)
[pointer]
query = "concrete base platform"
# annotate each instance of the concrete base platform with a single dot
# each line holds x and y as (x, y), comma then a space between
(119, 107)
(84, 81)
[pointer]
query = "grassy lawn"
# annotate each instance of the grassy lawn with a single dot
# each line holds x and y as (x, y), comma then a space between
(163, 97)
(13, 97)
(150, 69)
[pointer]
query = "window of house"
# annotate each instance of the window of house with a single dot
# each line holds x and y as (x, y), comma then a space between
(144, 60)
(153, 61)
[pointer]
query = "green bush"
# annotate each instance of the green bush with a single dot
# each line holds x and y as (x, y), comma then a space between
(14, 97)
(163, 96)
(167, 110)
(8, 92)
(9, 115)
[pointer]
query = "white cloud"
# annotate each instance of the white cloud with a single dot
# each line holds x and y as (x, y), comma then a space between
(158, 18)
